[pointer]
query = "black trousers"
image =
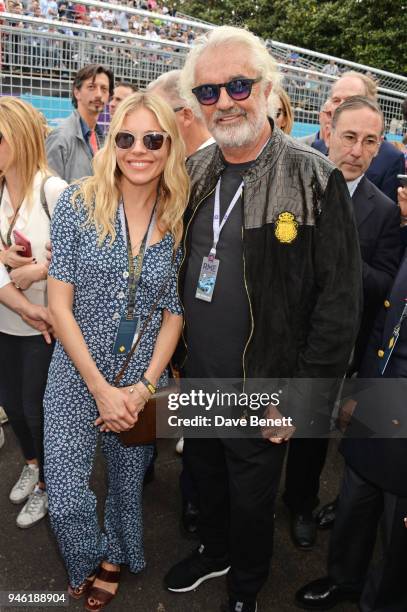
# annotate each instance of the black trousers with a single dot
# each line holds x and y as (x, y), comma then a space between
(237, 482)
(24, 363)
(305, 462)
(361, 507)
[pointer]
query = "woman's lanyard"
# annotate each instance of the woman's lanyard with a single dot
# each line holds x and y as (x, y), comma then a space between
(135, 270)
(129, 326)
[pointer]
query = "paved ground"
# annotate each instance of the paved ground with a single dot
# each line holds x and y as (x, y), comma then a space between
(29, 559)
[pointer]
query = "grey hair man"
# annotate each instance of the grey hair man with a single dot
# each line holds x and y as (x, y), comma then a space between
(368, 494)
(272, 221)
(192, 128)
(324, 120)
(389, 162)
(354, 139)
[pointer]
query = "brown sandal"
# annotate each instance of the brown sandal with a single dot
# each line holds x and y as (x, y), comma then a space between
(82, 589)
(99, 598)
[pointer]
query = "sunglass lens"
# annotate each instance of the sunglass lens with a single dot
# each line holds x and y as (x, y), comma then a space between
(239, 89)
(153, 142)
(124, 140)
(208, 94)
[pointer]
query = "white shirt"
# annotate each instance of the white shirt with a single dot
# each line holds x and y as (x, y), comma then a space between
(4, 277)
(205, 144)
(352, 185)
(33, 223)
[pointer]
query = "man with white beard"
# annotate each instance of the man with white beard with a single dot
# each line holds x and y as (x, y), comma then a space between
(273, 221)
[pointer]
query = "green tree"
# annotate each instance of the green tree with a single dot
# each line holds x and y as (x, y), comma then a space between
(371, 32)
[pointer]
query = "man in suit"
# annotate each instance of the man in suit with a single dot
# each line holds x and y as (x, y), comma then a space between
(324, 120)
(389, 162)
(374, 485)
(354, 138)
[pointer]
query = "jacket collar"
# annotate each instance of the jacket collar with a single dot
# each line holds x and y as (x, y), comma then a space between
(216, 163)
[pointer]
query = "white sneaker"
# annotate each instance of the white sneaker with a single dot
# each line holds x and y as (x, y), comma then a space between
(34, 510)
(1, 437)
(3, 416)
(179, 447)
(25, 484)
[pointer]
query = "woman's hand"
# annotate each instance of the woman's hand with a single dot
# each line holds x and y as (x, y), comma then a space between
(38, 317)
(135, 396)
(24, 276)
(10, 257)
(117, 408)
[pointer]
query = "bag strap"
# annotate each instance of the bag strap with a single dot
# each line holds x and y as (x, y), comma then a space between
(123, 369)
(43, 197)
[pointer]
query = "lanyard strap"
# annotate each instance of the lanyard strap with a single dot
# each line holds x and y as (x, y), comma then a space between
(135, 271)
(403, 316)
(7, 243)
(217, 225)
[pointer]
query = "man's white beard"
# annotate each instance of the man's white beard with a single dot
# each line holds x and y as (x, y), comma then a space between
(244, 134)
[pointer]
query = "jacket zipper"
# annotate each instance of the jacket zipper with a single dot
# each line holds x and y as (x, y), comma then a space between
(182, 263)
(251, 314)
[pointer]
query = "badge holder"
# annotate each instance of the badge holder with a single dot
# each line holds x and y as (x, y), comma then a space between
(207, 279)
(126, 335)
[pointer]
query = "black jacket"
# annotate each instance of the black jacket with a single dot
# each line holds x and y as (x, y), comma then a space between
(382, 406)
(378, 223)
(301, 262)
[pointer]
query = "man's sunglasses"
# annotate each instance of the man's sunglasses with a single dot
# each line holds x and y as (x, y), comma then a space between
(152, 141)
(237, 89)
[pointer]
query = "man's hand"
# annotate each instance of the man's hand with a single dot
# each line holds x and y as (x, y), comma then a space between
(277, 435)
(402, 200)
(345, 414)
(38, 318)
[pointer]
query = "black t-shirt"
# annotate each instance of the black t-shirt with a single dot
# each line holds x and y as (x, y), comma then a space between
(217, 331)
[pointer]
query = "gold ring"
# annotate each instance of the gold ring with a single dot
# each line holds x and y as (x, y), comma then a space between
(131, 390)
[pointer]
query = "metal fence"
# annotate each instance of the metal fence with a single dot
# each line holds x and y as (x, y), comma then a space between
(40, 56)
(39, 59)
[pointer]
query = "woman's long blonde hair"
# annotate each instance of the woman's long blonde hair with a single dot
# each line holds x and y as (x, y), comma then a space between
(101, 192)
(23, 130)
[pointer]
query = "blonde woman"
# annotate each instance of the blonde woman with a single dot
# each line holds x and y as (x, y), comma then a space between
(280, 110)
(28, 194)
(127, 217)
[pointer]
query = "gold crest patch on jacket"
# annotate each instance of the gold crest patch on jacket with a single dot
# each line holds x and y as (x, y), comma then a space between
(286, 227)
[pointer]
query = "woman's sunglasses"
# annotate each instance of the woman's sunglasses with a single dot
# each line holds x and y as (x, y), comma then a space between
(152, 141)
(237, 89)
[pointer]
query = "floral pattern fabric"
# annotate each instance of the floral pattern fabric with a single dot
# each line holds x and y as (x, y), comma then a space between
(99, 275)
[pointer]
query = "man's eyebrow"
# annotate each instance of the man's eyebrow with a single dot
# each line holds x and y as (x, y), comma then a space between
(356, 133)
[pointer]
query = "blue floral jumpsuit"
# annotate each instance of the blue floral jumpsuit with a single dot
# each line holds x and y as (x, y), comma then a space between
(99, 275)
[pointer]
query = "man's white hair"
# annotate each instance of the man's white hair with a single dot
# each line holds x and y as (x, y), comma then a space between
(263, 62)
(168, 82)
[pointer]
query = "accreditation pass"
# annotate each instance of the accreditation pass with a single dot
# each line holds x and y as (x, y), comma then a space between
(207, 278)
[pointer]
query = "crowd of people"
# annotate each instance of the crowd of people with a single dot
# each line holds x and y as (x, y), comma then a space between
(152, 28)
(36, 47)
(198, 228)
